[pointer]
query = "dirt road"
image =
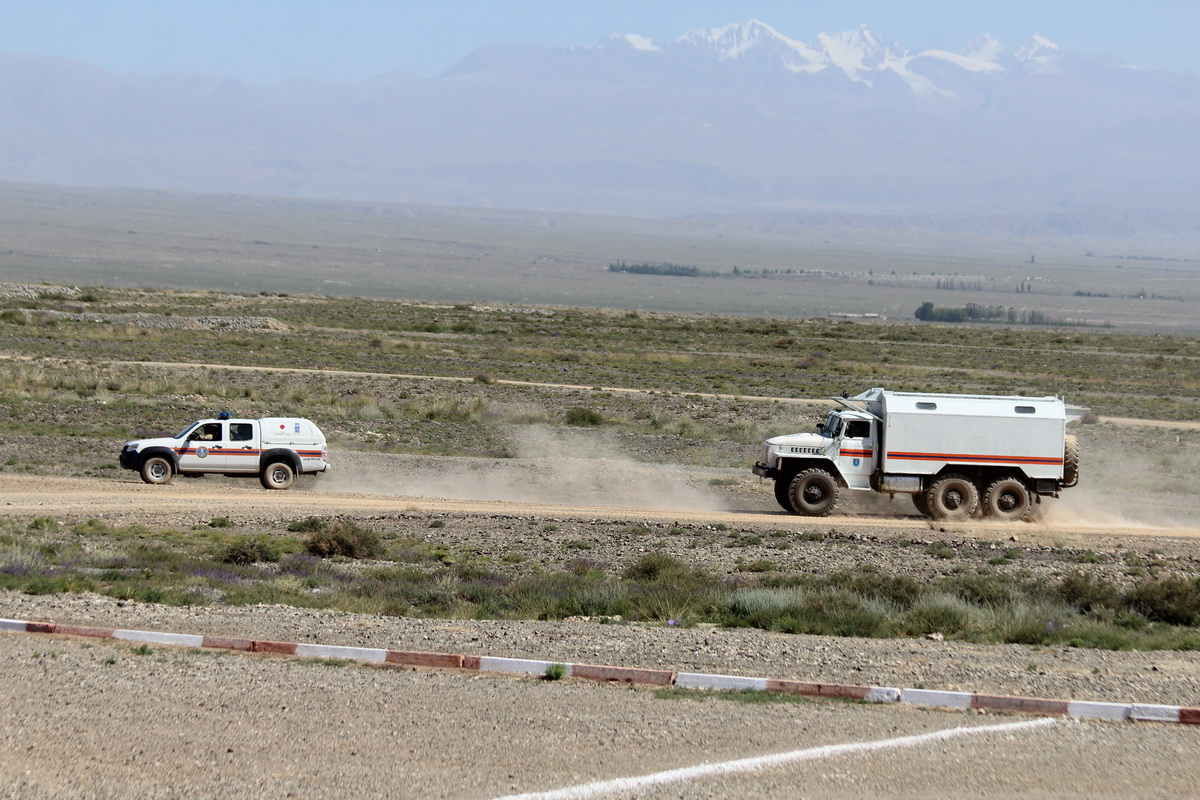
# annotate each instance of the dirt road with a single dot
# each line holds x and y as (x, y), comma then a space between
(127, 497)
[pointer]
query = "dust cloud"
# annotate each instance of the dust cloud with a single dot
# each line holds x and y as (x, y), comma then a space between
(554, 467)
(1146, 479)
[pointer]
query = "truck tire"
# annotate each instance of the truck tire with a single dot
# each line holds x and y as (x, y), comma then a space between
(278, 475)
(813, 492)
(158, 470)
(1070, 461)
(1007, 499)
(782, 494)
(952, 497)
(921, 503)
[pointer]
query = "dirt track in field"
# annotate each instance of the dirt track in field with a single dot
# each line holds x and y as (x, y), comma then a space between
(90, 497)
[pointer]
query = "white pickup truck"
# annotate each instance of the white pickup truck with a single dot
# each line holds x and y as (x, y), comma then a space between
(276, 449)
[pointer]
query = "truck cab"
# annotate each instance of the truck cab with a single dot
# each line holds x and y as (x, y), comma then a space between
(840, 454)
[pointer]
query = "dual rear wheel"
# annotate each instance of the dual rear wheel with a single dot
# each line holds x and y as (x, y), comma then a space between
(956, 497)
(814, 493)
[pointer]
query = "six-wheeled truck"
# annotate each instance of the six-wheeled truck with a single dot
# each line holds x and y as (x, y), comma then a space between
(956, 455)
(276, 449)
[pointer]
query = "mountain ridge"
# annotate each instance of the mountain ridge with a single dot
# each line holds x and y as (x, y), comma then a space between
(736, 119)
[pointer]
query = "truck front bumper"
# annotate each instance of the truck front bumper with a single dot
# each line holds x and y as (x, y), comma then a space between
(762, 470)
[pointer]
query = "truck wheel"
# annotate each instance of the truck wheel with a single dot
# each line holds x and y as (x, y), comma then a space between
(1007, 499)
(921, 503)
(278, 475)
(952, 497)
(1070, 461)
(782, 494)
(158, 470)
(813, 492)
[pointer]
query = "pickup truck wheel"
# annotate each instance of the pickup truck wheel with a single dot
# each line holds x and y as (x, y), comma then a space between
(813, 492)
(278, 475)
(1007, 499)
(158, 470)
(952, 497)
(782, 494)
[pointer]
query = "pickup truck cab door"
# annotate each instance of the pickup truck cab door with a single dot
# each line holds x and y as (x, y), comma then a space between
(203, 448)
(242, 448)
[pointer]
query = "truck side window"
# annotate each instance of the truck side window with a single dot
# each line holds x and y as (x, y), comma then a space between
(240, 431)
(859, 429)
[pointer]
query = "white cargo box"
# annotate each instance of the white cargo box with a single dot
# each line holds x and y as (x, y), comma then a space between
(922, 433)
(290, 430)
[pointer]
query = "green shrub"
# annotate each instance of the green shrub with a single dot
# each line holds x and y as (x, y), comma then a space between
(1173, 600)
(251, 550)
(343, 538)
(1087, 592)
(584, 417)
(307, 525)
(655, 566)
(939, 613)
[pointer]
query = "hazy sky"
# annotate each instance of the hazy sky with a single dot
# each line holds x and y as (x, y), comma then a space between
(264, 41)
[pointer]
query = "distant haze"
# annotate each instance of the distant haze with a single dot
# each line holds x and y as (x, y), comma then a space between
(737, 119)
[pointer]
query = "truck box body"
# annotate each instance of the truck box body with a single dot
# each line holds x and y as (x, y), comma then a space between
(922, 433)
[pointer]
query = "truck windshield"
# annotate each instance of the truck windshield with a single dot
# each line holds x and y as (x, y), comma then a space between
(832, 427)
(183, 433)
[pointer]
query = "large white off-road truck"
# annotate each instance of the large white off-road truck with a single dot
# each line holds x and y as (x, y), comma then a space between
(276, 449)
(956, 455)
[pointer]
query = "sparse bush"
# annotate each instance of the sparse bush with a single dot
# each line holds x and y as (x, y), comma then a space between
(655, 566)
(1173, 600)
(939, 613)
(1087, 592)
(346, 539)
(584, 417)
(251, 550)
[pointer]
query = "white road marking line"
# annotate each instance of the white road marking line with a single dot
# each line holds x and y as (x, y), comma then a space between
(759, 762)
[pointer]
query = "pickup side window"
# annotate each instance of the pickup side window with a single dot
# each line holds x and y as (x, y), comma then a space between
(240, 431)
(208, 432)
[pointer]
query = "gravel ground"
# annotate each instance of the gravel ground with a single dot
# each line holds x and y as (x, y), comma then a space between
(111, 721)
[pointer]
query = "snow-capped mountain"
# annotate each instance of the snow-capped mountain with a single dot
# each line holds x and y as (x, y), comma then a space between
(730, 119)
(859, 56)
